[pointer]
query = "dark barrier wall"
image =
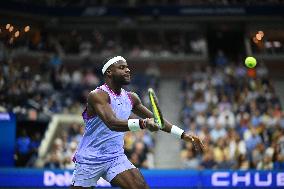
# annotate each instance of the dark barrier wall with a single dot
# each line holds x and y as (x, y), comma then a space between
(145, 10)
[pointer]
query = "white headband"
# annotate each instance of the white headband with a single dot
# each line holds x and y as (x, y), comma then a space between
(112, 61)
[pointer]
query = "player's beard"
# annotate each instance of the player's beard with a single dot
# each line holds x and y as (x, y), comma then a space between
(121, 79)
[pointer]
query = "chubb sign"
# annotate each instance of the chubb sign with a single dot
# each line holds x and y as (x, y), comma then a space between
(248, 179)
(51, 178)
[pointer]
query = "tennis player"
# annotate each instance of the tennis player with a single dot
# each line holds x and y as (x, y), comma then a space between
(107, 116)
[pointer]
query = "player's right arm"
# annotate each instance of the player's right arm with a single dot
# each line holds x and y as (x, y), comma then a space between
(98, 104)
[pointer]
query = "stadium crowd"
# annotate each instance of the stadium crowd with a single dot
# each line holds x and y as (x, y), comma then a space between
(238, 113)
(57, 89)
(133, 43)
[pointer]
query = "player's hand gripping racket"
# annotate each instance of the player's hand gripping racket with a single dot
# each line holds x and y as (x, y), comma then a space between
(157, 113)
(158, 118)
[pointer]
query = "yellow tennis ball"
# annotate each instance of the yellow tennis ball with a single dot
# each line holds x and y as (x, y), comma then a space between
(250, 62)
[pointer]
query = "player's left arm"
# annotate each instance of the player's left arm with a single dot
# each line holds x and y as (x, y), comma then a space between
(143, 112)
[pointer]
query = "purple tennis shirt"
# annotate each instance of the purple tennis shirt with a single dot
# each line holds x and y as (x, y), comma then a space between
(100, 144)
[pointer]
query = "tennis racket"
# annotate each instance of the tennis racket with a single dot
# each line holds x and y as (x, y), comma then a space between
(157, 113)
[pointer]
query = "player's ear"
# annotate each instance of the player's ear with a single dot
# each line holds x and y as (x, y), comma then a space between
(108, 72)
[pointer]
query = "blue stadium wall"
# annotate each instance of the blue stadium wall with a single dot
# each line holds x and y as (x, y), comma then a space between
(43, 178)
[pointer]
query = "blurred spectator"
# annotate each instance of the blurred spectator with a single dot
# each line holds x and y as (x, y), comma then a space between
(139, 155)
(189, 159)
(129, 140)
(68, 155)
(55, 159)
(252, 139)
(226, 119)
(217, 133)
(35, 143)
(221, 151)
(199, 105)
(278, 159)
(265, 164)
(55, 61)
(90, 79)
(257, 155)
(208, 161)
(221, 60)
(23, 149)
(153, 75)
(243, 163)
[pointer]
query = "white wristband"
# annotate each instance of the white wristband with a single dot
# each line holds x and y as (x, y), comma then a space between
(133, 125)
(176, 131)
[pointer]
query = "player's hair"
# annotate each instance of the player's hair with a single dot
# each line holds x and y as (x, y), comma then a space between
(106, 60)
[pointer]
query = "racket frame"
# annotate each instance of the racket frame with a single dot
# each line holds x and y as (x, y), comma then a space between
(156, 108)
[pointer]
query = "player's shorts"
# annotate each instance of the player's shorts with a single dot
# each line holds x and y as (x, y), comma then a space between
(88, 175)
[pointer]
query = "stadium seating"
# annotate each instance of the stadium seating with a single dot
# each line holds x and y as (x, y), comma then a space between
(237, 114)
